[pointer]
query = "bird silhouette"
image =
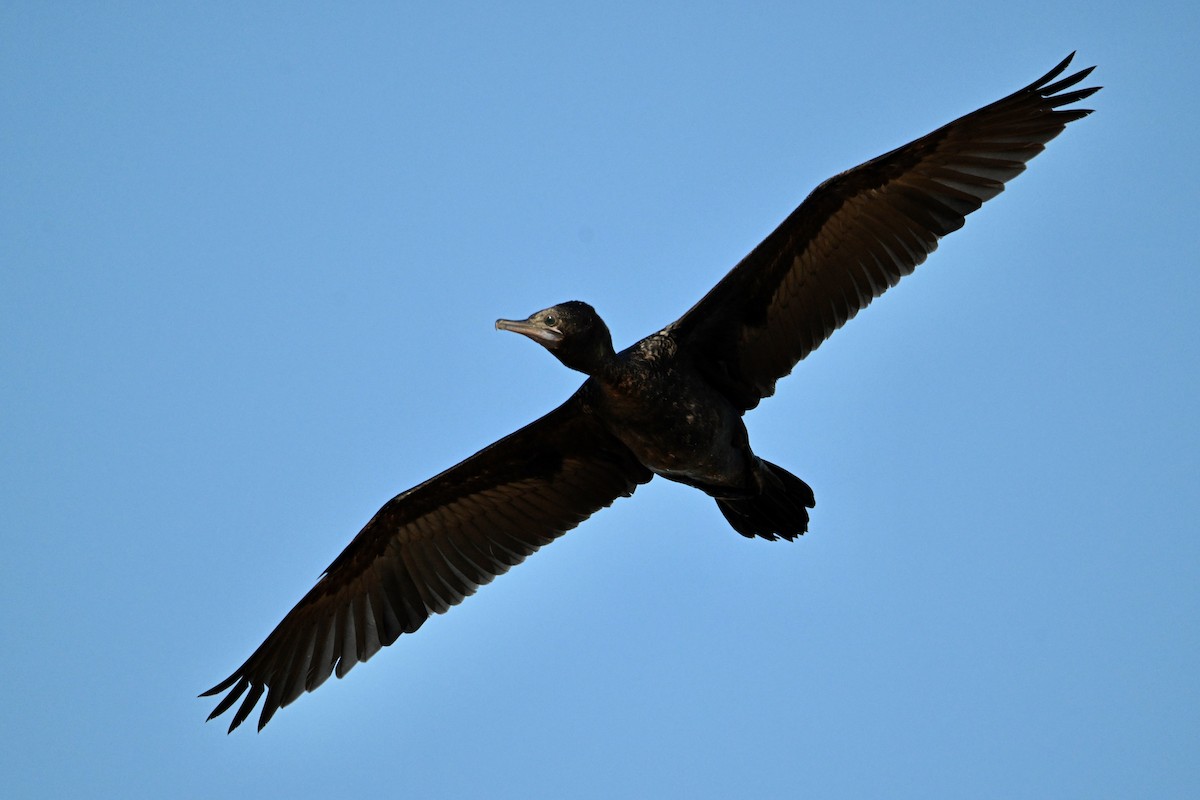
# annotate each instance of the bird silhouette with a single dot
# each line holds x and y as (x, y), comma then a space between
(670, 405)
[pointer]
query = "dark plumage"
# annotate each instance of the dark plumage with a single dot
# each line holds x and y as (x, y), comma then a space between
(670, 405)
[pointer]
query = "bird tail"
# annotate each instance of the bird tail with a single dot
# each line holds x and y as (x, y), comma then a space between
(779, 509)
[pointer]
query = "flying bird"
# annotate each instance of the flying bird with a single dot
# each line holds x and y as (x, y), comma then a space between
(670, 405)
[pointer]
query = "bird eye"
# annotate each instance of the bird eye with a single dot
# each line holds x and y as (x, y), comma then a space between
(550, 319)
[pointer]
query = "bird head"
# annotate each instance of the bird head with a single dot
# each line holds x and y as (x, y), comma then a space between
(573, 333)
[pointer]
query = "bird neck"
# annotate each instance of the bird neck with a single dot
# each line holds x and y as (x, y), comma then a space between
(596, 361)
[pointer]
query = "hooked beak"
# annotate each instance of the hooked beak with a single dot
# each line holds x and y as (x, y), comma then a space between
(541, 335)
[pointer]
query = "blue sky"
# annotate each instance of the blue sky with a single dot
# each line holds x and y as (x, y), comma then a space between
(250, 258)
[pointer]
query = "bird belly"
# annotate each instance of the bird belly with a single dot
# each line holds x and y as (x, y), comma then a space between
(694, 437)
(686, 450)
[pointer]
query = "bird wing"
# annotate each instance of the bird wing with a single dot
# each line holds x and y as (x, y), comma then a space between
(859, 232)
(433, 545)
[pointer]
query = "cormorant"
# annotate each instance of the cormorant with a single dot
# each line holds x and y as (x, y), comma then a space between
(670, 405)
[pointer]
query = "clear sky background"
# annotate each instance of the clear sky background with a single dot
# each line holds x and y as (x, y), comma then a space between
(250, 260)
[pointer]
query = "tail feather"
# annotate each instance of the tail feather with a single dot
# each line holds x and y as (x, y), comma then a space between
(779, 510)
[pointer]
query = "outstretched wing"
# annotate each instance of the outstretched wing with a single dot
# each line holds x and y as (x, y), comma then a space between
(859, 232)
(431, 546)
